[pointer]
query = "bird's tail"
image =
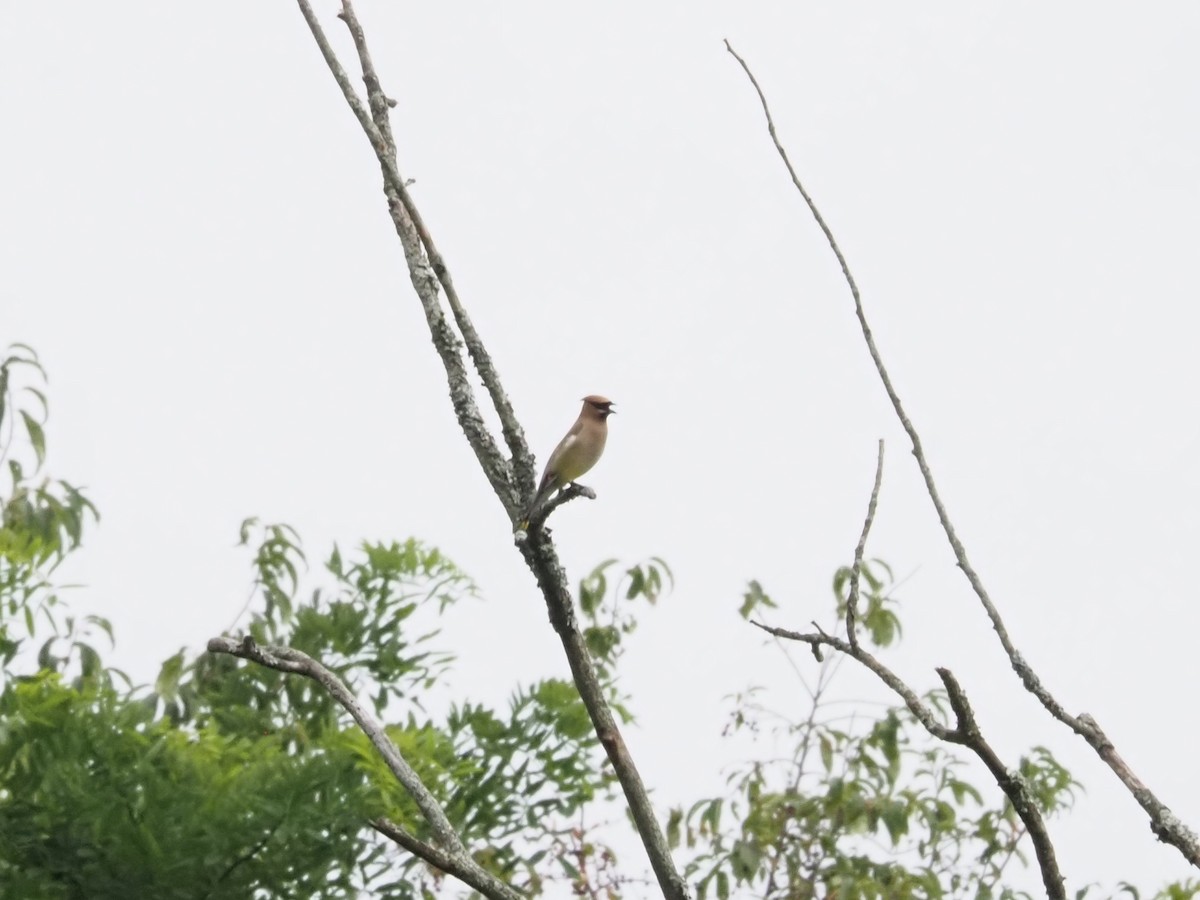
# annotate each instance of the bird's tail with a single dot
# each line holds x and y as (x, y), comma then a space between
(548, 487)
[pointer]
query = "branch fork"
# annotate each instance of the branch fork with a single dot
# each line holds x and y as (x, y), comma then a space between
(512, 478)
(1165, 825)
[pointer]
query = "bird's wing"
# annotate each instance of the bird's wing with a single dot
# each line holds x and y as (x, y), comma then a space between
(569, 441)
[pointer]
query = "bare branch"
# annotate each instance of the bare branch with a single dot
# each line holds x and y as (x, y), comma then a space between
(425, 281)
(1165, 825)
(380, 104)
(966, 733)
(448, 854)
(512, 483)
(542, 558)
(1010, 782)
(923, 713)
(856, 571)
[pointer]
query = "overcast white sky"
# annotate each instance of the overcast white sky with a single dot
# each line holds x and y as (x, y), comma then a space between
(193, 238)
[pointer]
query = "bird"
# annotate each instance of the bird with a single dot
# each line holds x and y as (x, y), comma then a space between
(577, 452)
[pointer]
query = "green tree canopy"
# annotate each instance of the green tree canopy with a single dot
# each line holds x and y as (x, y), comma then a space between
(226, 780)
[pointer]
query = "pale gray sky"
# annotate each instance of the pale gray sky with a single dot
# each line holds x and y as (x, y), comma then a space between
(192, 236)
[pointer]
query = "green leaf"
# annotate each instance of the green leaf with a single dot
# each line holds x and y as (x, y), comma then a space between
(89, 660)
(104, 625)
(37, 437)
(895, 819)
(674, 827)
(753, 598)
(46, 660)
(745, 859)
(167, 683)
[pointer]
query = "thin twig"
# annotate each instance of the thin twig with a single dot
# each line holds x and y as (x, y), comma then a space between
(808, 732)
(448, 854)
(856, 570)
(923, 713)
(1165, 825)
(244, 858)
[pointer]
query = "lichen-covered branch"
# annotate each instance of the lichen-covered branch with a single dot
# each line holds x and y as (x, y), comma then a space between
(542, 558)
(422, 273)
(968, 734)
(513, 482)
(1165, 825)
(380, 104)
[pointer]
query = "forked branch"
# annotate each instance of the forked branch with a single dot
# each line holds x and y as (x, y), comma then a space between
(1163, 822)
(966, 732)
(512, 480)
(426, 276)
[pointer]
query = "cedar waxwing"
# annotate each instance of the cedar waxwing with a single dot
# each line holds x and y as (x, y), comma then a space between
(577, 452)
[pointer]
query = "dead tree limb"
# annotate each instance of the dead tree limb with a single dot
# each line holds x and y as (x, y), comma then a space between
(1165, 824)
(512, 479)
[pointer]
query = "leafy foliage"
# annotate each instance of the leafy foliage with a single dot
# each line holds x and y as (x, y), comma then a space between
(858, 807)
(232, 780)
(41, 521)
(873, 812)
(102, 800)
(228, 780)
(608, 618)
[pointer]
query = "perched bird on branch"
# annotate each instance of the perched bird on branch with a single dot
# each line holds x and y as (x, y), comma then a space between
(577, 452)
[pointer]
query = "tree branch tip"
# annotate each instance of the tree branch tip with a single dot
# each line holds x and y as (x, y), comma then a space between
(582, 490)
(1014, 786)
